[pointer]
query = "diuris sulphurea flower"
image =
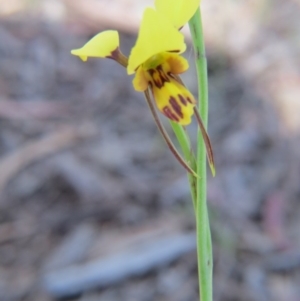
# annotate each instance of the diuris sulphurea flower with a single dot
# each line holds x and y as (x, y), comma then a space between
(156, 62)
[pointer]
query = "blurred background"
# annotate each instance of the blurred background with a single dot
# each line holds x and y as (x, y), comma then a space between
(92, 204)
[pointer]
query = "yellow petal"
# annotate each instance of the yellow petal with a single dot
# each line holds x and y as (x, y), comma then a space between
(140, 81)
(156, 35)
(102, 45)
(174, 101)
(179, 12)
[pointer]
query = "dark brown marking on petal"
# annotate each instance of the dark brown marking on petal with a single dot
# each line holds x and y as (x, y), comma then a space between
(153, 74)
(158, 76)
(164, 78)
(176, 107)
(182, 100)
(167, 111)
(189, 100)
(176, 51)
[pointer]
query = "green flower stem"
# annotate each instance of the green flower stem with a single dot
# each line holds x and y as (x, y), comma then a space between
(204, 247)
(186, 148)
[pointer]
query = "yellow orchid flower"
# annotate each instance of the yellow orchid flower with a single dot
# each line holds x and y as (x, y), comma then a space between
(156, 62)
(155, 58)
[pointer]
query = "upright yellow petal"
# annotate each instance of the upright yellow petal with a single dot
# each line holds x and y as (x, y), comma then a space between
(101, 45)
(156, 35)
(179, 12)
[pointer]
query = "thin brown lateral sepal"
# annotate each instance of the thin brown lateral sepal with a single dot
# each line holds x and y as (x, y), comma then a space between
(166, 136)
(209, 151)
